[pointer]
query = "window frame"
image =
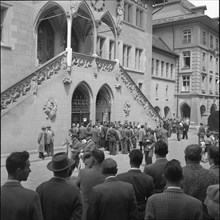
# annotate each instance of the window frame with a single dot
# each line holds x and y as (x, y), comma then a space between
(126, 55)
(100, 45)
(138, 58)
(187, 38)
(185, 59)
(185, 88)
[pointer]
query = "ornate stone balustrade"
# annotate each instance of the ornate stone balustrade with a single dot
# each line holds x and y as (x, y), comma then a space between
(105, 65)
(29, 85)
(82, 60)
(86, 61)
(139, 96)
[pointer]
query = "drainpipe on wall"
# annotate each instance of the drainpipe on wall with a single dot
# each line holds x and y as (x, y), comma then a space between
(69, 49)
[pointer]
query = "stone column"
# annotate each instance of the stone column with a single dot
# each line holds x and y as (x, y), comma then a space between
(69, 49)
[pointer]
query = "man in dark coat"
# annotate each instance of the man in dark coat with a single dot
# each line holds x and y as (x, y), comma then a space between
(196, 178)
(173, 203)
(88, 178)
(59, 199)
(113, 199)
(156, 170)
(18, 202)
(142, 183)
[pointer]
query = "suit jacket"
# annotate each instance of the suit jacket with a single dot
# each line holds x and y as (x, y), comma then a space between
(60, 200)
(86, 179)
(196, 180)
(95, 134)
(143, 187)
(81, 132)
(156, 170)
(112, 200)
(173, 204)
(18, 203)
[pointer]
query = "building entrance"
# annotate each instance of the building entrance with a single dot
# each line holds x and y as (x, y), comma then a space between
(103, 105)
(80, 106)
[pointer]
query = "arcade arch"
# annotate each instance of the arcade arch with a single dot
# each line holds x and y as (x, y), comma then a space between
(104, 104)
(185, 110)
(81, 102)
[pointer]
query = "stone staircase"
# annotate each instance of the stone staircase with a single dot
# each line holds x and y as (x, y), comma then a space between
(29, 85)
(139, 96)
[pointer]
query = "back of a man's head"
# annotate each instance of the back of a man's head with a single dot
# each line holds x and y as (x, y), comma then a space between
(109, 167)
(213, 153)
(16, 160)
(193, 153)
(136, 157)
(161, 148)
(98, 155)
(173, 171)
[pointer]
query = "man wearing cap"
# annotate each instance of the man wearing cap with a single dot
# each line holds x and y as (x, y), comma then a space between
(113, 199)
(59, 199)
(42, 142)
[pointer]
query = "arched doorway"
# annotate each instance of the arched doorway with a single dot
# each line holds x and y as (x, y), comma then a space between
(202, 110)
(103, 105)
(167, 113)
(185, 111)
(81, 105)
(213, 108)
(157, 109)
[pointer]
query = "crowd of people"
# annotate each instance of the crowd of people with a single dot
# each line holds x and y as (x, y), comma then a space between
(163, 190)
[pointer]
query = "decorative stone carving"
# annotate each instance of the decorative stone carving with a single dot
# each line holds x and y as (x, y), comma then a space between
(67, 80)
(117, 85)
(127, 108)
(50, 108)
(79, 60)
(74, 8)
(98, 23)
(119, 16)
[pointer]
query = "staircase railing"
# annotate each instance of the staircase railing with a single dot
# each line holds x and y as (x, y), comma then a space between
(29, 85)
(138, 95)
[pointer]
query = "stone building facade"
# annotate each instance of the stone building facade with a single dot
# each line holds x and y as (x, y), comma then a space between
(195, 38)
(67, 62)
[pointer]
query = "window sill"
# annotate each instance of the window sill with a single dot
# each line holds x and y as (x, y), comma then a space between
(134, 26)
(3, 45)
(185, 92)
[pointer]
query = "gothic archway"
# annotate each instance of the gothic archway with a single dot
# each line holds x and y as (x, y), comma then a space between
(103, 105)
(167, 113)
(45, 43)
(157, 109)
(80, 105)
(49, 27)
(213, 108)
(185, 111)
(202, 110)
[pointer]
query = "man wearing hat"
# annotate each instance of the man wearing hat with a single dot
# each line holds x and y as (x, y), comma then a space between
(59, 199)
(42, 142)
(50, 141)
(112, 199)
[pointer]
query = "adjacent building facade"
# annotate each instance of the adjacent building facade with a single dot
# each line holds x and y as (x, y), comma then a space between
(195, 38)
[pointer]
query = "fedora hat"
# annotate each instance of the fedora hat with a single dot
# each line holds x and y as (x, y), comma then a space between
(60, 161)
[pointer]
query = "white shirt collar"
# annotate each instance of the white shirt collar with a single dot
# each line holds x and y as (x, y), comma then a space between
(134, 168)
(173, 187)
(109, 177)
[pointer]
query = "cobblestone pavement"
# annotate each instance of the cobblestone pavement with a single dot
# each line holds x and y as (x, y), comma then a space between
(39, 172)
